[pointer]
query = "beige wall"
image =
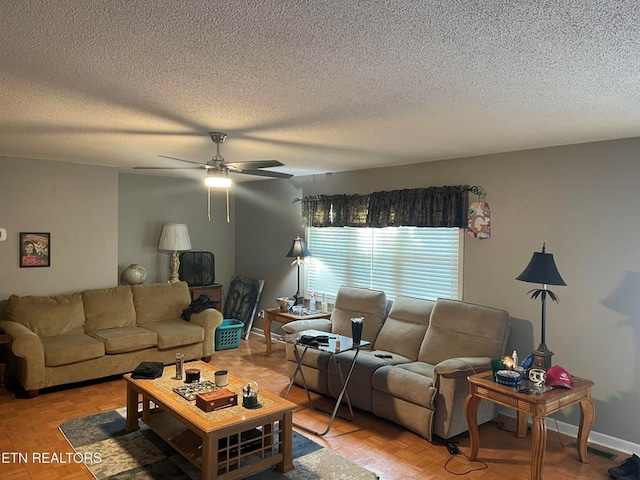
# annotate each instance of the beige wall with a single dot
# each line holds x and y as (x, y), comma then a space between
(100, 222)
(78, 205)
(146, 202)
(581, 200)
(267, 222)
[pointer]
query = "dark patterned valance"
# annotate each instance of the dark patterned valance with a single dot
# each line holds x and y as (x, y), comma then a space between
(418, 207)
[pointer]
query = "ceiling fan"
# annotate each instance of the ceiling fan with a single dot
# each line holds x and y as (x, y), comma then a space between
(218, 169)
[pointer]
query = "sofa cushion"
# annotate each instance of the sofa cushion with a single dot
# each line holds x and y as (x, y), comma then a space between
(366, 364)
(125, 339)
(159, 302)
(403, 330)
(359, 302)
(459, 329)
(71, 348)
(108, 308)
(175, 333)
(412, 382)
(48, 316)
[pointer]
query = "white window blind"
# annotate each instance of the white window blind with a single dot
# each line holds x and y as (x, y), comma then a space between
(411, 261)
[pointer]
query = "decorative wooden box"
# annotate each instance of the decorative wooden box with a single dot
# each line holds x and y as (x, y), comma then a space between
(216, 399)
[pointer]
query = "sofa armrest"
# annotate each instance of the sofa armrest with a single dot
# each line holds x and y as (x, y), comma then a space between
(28, 351)
(322, 324)
(462, 366)
(209, 319)
(450, 380)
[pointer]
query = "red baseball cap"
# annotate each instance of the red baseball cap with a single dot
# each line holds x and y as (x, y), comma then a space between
(558, 377)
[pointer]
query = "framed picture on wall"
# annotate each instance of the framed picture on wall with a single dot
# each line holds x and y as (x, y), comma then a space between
(35, 249)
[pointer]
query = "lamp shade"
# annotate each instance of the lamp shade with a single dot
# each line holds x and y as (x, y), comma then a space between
(541, 269)
(174, 237)
(299, 248)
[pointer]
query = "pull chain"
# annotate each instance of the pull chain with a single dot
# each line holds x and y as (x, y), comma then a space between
(228, 205)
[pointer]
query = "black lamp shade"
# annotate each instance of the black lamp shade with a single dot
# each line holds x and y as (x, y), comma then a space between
(298, 249)
(541, 269)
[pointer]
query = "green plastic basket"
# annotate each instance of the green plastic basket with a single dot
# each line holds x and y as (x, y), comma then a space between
(228, 334)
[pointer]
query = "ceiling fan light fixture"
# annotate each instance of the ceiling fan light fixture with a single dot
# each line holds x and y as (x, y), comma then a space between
(217, 181)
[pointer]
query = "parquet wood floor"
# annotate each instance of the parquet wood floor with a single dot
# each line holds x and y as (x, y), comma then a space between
(29, 426)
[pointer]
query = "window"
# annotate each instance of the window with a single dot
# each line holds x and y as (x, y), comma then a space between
(410, 261)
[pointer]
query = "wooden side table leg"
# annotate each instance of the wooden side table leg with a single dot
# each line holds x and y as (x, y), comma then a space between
(587, 416)
(538, 446)
(267, 333)
(471, 412)
(522, 425)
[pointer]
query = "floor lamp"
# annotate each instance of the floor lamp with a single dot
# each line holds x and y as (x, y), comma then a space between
(298, 251)
(542, 269)
(175, 238)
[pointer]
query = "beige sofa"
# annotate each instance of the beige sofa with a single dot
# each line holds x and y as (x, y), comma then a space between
(434, 346)
(98, 333)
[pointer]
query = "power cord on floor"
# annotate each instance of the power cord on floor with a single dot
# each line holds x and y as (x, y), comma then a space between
(500, 426)
(453, 447)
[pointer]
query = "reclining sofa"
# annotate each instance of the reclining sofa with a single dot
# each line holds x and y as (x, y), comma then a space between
(434, 347)
(98, 333)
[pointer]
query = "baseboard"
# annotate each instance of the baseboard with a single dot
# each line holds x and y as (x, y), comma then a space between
(260, 332)
(596, 438)
(275, 337)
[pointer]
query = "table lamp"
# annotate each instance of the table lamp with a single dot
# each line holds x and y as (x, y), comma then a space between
(175, 238)
(542, 269)
(298, 251)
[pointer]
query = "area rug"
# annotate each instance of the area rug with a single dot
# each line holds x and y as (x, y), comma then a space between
(112, 454)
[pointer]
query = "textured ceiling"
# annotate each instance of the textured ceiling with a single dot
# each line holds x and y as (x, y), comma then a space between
(319, 85)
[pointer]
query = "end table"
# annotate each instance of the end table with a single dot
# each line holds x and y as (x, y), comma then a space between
(275, 315)
(483, 386)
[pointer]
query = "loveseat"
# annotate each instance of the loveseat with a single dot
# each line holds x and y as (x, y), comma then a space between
(434, 346)
(97, 333)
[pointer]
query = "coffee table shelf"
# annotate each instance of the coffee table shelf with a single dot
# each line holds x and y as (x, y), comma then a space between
(176, 434)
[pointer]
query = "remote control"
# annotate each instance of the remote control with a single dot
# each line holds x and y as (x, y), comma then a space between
(382, 355)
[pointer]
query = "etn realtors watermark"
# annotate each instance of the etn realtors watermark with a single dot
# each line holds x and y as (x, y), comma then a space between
(51, 457)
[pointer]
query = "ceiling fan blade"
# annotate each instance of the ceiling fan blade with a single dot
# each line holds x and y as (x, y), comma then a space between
(203, 165)
(167, 168)
(263, 173)
(254, 164)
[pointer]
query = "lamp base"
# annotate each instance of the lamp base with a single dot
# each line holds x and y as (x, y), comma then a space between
(542, 357)
(299, 298)
(175, 266)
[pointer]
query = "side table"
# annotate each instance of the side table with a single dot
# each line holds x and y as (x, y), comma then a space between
(214, 292)
(483, 386)
(334, 349)
(275, 315)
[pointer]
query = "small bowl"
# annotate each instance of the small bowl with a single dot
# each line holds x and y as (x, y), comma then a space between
(285, 303)
(510, 378)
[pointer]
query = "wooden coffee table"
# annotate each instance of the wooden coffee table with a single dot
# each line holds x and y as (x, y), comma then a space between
(218, 442)
(483, 386)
